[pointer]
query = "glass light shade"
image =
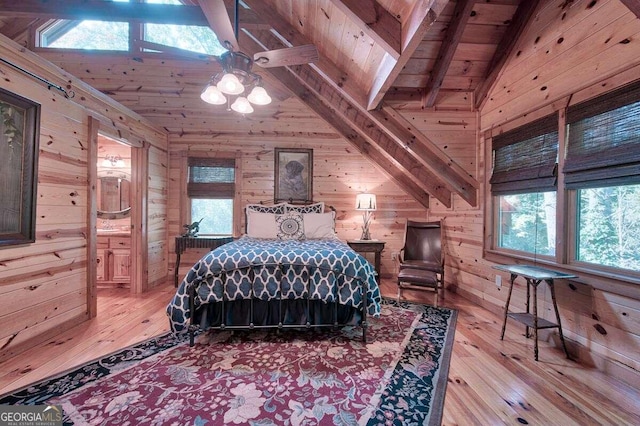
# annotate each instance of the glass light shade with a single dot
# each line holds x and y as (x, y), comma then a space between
(259, 96)
(212, 95)
(242, 106)
(230, 85)
(365, 202)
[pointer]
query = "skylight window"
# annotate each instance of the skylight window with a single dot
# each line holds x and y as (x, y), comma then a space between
(188, 37)
(97, 35)
(107, 35)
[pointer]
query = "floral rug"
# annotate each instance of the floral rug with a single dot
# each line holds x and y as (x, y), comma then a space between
(267, 377)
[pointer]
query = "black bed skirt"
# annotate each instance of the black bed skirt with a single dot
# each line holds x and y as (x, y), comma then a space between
(286, 312)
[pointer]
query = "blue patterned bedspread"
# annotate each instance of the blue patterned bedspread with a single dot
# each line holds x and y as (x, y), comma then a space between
(336, 275)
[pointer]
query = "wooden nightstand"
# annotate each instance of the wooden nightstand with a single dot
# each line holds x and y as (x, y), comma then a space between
(369, 246)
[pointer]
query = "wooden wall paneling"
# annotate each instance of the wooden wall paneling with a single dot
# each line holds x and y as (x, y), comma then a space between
(46, 284)
(590, 58)
(588, 49)
(92, 204)
(157, 220)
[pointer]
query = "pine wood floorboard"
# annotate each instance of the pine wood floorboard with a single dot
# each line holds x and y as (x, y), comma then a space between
(491, 382)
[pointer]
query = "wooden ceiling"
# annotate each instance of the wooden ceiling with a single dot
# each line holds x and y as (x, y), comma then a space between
(375, 56)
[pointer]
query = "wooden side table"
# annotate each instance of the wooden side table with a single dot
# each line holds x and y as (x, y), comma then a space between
(369, 246)
(533, 275)
(183, 243)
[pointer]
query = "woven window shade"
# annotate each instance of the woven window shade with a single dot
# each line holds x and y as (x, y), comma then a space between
(211, 178)
(525, 159)
(603, 147)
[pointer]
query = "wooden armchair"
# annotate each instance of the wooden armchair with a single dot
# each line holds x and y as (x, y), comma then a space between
(421, 259)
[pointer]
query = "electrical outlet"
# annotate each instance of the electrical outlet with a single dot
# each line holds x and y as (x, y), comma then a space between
(498, 281)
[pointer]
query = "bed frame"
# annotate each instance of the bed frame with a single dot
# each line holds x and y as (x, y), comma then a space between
(253, 269)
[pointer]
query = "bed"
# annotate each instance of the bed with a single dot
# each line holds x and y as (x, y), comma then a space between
(288, 271)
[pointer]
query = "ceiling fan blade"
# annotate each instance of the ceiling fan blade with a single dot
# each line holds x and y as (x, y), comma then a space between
(219, 21)
(296, 55)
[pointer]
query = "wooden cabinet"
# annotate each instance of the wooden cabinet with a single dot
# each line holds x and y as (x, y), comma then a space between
(114, 259)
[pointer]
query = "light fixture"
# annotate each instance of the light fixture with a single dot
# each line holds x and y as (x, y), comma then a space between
(235, 80)
(111, 160)
(366, 203)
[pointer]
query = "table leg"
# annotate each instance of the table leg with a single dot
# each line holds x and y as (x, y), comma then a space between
(176, 269)
(535, 316)
(506, 306)
(377, 262)
(527, 332)
(555, 308)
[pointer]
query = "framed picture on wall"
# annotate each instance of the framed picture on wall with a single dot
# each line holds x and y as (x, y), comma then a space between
(293, 175)
(19, 136)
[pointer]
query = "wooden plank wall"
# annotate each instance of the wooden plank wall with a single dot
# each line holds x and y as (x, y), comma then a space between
(43, 286)
(572, 49)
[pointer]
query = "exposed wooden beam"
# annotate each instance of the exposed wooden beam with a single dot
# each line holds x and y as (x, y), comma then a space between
(633, 5)
(376, 22)
(358, 126)
(455, 178)
(109, 10)
(423, 15)
(289, 36)
(521, 20)
(16, 27)
(448, 48)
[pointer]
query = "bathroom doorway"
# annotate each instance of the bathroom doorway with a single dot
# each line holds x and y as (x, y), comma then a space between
(114, 199)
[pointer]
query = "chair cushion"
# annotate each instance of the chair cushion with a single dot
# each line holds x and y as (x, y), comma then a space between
(418, 277)
(421, 264)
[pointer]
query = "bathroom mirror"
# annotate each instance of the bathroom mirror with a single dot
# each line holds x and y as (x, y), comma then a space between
(114, 194)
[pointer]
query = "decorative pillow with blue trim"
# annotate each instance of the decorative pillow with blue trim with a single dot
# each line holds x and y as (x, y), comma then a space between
(309, 208)
(290, 226)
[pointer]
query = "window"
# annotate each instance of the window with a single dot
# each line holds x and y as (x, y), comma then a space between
(602, 171)
(523, 185)
(211, 189)
(187, 37)
(96, 35)
(106, 35)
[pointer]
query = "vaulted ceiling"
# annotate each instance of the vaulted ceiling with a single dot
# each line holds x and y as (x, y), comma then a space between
(374, 56)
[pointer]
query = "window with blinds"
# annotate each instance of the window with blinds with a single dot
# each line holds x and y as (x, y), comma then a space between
(525, 159)
(523, 184)
(603, 167)
(211, 178)
(603, 144)
(211, 189)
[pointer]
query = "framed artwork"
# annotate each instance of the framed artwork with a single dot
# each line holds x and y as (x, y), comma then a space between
(19, 136)
(293, 175)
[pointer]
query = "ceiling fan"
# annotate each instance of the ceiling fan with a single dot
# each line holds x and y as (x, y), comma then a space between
(237, 77)
(216, 14)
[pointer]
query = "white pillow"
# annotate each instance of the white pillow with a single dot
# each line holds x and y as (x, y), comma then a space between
(319, 225)
(261, 225)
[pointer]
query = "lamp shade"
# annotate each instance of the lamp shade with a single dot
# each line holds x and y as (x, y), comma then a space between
(259, 96)
(213, 95)
(230, 84)
(366, 202)
(242, 105)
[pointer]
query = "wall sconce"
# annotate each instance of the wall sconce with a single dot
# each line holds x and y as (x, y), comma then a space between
(111, 160)
(366, 203)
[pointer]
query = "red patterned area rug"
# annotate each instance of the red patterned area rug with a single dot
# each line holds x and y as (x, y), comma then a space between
(267, 377)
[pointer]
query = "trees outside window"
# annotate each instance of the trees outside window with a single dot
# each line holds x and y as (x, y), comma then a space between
(609, 226)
